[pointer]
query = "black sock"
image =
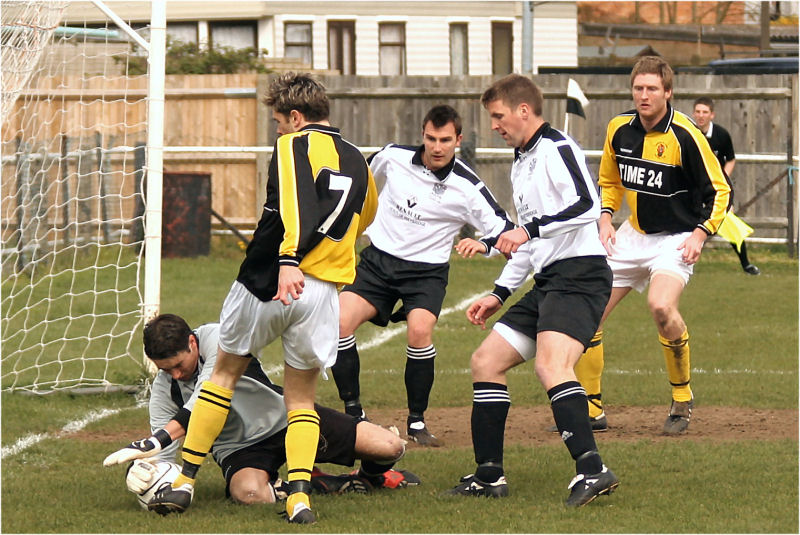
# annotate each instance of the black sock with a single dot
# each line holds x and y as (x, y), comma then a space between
(741, 252)
(571, 413)
(419, 377)
(373, 471)
(345, 373)
(490, 404)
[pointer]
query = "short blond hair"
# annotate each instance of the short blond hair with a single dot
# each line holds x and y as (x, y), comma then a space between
(654, 65)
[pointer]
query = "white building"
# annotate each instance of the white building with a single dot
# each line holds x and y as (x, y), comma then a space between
(376, 37)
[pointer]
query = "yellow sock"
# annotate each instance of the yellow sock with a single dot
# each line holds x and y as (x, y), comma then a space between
(302, 437)
(589, 371)
(679, 368)
(207, 420)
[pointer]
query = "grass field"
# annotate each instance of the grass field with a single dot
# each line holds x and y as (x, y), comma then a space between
(745, 355)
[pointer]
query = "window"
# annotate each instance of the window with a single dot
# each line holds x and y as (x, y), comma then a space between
(185, 32)
(297, 41)
(342, 46)
(502, 47)
(392, 44)
(234, 34)
(459, 51)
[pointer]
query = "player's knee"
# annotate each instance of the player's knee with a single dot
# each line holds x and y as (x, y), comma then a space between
(482, 364)
(395, 450)
(252, 494)
(663, 312)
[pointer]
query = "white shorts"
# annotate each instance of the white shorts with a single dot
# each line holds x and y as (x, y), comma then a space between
(636, 257)
(308, 327)
(524, 344)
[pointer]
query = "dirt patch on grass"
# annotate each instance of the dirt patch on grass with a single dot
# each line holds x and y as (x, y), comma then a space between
(528, 425)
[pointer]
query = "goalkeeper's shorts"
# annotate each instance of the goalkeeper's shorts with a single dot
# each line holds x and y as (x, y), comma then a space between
(337, 445)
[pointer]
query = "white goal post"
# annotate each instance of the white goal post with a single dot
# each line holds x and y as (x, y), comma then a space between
(82, 145)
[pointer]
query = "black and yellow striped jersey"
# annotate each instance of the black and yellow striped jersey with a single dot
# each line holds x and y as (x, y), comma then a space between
(320, 197)
(669, 176)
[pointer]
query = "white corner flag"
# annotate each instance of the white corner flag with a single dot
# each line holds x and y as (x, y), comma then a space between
(576, 101)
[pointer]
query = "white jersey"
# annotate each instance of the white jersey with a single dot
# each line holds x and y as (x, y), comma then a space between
(257, 410)
(557, 204)
(421, 211)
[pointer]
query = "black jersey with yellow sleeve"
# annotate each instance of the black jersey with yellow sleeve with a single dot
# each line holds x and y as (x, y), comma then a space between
(320, 197)
(669, 176)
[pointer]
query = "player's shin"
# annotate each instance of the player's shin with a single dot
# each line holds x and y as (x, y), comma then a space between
(419, 375)
(589, 371)
(345, 374)
(207, 420)
(490, 404)
(570, 412)
(302, 437)
(676, 356)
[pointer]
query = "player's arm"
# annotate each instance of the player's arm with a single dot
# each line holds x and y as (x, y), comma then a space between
(575, 202)
(370, 206)
(486, 215)
(700, 163)
(298, 211)
(165, 418)
(729, 165)
(611, 189)
(511, 278)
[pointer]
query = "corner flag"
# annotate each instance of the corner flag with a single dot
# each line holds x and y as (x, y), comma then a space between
(576, 100)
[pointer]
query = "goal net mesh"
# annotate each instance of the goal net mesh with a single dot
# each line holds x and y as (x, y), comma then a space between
(72, 205)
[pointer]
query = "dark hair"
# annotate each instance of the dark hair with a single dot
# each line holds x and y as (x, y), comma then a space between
(513, 90)
(301, 92)
(654, 65)
(165, 336)
(441, 115)
(705, 101)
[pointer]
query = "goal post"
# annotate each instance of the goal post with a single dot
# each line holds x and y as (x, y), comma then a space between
(82, 144)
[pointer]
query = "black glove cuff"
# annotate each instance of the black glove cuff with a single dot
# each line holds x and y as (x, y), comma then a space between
(163, 438)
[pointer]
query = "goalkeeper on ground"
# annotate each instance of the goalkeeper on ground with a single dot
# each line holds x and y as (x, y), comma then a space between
(250, 449)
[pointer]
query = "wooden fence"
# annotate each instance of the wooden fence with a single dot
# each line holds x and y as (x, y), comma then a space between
(223, 113)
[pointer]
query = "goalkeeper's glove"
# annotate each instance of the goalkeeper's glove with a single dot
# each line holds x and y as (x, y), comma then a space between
(139, 449)
(140, 474)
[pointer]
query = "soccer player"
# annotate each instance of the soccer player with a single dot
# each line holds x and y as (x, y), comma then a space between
(661, 164)
(428, 195)
(557, 206)
(250, 449)
(320, 198)
(733, 228)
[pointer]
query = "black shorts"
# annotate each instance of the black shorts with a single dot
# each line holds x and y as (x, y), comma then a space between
(337, 445)
(569, 296)
(382, 279)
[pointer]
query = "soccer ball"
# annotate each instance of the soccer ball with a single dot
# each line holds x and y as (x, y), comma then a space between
(166, 473)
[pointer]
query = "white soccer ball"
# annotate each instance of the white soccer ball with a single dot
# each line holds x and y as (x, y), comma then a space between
(166, 472)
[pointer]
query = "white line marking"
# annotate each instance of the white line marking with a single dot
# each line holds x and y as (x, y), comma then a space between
(71, 427)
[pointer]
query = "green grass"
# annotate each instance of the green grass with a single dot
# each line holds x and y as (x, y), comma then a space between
(744, 333)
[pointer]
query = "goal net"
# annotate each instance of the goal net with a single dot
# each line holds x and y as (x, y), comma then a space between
(72, 203)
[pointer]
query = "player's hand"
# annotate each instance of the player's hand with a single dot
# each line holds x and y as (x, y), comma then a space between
(693, 246)
(140, 475)
(479, 311)
(468, 247)
(139, 449)
(291, 282)
(607, 233)
(510, 240)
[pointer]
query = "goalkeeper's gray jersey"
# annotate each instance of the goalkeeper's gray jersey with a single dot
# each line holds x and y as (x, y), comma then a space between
(257, 409)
